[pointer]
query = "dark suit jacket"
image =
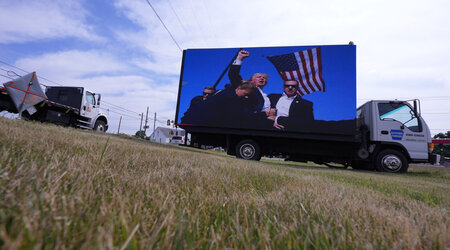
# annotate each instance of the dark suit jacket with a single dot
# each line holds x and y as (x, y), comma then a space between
(301, 114)
(224, 109)
(256, 100)
(194, 102)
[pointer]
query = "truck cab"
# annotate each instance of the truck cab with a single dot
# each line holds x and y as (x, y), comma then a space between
(396, 134)
(85, 102)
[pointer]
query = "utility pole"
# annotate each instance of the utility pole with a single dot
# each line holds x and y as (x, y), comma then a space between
(146, 126)
(140, 127)
(120, 121)
(154, 124)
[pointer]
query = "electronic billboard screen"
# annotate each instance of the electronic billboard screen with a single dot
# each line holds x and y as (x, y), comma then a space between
(309, 89)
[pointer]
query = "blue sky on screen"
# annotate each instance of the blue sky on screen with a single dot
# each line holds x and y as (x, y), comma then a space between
(202, 67)
(119, 48)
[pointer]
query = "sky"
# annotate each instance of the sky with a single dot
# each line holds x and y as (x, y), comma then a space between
(121, 49)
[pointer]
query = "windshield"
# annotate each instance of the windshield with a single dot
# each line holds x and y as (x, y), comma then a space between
(400, 112)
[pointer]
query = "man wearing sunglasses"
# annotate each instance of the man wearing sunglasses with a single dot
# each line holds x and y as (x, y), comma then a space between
(208, 91)
(292, 111)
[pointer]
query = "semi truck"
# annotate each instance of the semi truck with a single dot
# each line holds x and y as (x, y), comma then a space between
(319, 123)
(67, 106)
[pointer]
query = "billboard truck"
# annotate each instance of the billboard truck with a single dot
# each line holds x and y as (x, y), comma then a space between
(298, 102)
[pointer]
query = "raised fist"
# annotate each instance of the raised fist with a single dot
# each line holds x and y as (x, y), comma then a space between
(243, 54)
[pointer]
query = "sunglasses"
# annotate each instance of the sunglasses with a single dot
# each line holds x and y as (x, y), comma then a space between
(290, 86)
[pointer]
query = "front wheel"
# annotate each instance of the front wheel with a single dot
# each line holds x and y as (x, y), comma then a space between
(391, 161)
(100, 126)
(248, 150)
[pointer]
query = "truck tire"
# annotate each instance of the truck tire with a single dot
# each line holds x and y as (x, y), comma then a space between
(248, 150)
(392, 161)
(100, 126)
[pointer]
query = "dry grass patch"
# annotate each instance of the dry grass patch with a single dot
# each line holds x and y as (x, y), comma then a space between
(66, 188)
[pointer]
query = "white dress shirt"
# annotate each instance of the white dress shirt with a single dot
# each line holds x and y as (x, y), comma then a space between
(283, 106)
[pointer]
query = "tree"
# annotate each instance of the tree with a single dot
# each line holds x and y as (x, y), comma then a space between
(443, 150)
(442, 135)
(140, 134)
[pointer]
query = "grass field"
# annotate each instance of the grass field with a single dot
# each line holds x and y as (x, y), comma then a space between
(68, 188)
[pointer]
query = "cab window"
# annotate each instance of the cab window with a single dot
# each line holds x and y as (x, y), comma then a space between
(90, 98)
(399, 112)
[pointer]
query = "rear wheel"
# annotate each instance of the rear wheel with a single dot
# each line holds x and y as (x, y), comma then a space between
(100, 126)
(248, 150)
(392, 161)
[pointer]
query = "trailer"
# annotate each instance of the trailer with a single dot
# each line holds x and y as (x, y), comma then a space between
(299, 102)
(67, 106)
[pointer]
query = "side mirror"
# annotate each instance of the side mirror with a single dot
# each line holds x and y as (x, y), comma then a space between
(416, 108)
(98, 99)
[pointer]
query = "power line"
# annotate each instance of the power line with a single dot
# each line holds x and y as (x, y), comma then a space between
(123, 114)
(116, 106)
(7, 76)
(41, 77)
(178, 18)
(196, 20)
(175, 41)
(13, 66)
(10, 73)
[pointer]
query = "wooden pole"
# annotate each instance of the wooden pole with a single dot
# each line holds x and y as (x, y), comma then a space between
(154, 124)
(145, 126)
(140, 127)
(120, 121)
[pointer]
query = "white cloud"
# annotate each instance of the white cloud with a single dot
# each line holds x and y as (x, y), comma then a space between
(24, 21)
(66, 65)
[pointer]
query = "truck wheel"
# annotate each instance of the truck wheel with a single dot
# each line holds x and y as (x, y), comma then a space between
(391, 161)
(100, 126)
(248, 150)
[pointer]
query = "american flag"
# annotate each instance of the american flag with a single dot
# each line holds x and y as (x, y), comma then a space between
(303, 66)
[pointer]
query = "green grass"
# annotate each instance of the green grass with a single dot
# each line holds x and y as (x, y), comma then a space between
(68, 188)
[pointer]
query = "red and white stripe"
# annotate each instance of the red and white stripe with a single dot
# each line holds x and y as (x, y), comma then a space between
(309, 74)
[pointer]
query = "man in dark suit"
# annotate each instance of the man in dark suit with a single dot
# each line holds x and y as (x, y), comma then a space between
(258, 100)
(208, 91)
(227, 108)
(292, 111)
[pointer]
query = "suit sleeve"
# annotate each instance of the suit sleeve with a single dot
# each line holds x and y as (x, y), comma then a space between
(234, 76)
(274, 99)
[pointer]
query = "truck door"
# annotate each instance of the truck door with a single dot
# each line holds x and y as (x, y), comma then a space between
(397, 122)
(89, 108)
